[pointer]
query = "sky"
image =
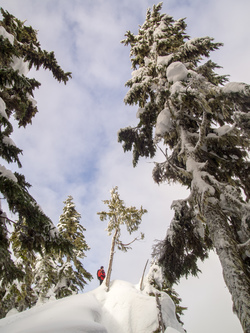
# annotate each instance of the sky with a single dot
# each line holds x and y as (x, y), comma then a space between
(71, 147)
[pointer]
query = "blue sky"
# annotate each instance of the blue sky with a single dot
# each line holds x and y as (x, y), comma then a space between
(71, 148)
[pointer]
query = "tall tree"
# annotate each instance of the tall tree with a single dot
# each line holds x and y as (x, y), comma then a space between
(204, 121)
(20, 51)
(72, 275)
(119, 215)
(56, 274)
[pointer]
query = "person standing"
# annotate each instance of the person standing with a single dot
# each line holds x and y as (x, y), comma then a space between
(101, 274)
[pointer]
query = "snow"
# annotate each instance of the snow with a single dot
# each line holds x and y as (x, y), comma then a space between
(33, 101)
(177, 71)
(139, 112)
(8, 141)
(234, 87)
(124, 309)
(223, 130)
(7, 173)
(5, 34)
(164, 60)
(155, 273)
(137, 73)
(3, 108)
(190, 44)
(198, 176)
(163, 123)
(19, 65)
(159, 31)
(199, 229)
(177, 88)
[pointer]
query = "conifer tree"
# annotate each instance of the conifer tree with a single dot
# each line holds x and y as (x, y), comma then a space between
(20, 51)
(8, 269)
(19, 294)
(72, 276)
(202, 123)
(45, 276)
(119, 215)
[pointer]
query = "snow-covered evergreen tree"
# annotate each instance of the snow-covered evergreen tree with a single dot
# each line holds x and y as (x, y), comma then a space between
(20, 51)
(72, 276)
(117, 216)
(19, 294)
(202, 123)
(8, 269)
(45, 277)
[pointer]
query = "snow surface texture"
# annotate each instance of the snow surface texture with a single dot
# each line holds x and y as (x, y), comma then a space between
(124, 309)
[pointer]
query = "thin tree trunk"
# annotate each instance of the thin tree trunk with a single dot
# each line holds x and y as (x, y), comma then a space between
(112, 252)
(160, 318)
(141, 284)
(235, 275)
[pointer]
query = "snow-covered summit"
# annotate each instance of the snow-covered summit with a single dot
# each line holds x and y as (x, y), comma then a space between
(124, 309)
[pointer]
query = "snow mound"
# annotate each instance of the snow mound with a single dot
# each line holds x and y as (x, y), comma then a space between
(163, 123)
(176, 71)
(235, 87)
(124, 309)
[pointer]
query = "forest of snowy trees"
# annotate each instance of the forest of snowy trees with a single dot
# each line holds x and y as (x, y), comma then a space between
(195, 117)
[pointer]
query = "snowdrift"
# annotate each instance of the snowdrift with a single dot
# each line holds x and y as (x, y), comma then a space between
(124, 309)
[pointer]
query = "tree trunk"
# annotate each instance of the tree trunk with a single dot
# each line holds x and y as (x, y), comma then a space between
(161, 327)
(112, 252)
(141, 284)
(234, 273)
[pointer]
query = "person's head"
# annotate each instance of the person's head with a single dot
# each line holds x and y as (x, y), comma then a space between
(102, 267)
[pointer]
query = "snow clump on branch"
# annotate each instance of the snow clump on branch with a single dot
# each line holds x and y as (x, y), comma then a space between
(177, 71)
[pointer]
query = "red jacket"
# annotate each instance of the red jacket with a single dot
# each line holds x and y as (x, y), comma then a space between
(101, 274)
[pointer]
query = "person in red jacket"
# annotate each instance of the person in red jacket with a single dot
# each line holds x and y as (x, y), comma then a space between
(101, 274)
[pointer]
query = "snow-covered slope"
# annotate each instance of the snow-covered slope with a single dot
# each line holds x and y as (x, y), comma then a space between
(124, 309)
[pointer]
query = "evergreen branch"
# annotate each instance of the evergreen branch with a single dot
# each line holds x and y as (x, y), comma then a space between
(46, 59)
(122, 246)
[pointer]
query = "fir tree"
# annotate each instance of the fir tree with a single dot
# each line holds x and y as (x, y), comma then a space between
(204, 121)
(119, 215)
(8, 269)
(72, 276)
(20, 51)
(45, 277)
(19, 294)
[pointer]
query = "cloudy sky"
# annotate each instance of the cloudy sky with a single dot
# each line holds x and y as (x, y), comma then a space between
(71, 148)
